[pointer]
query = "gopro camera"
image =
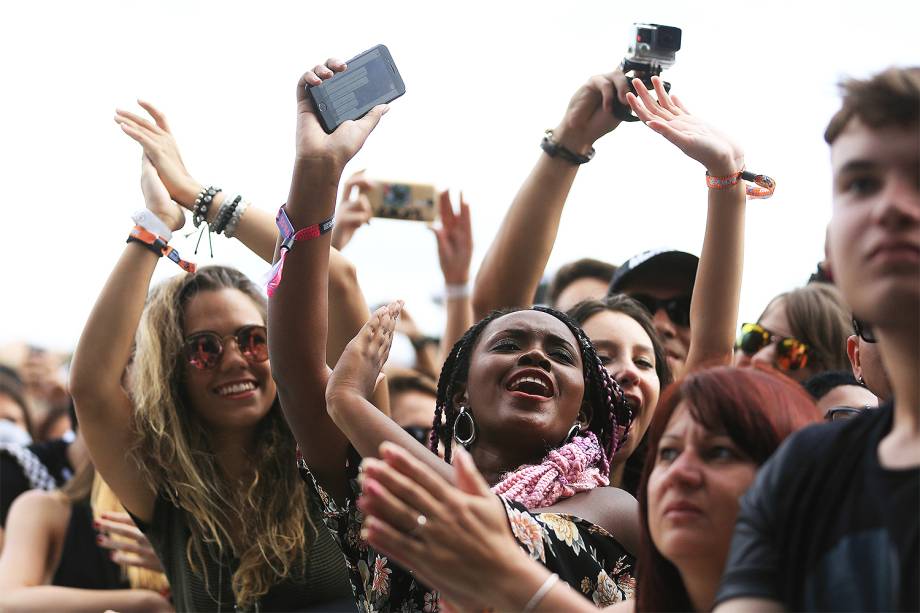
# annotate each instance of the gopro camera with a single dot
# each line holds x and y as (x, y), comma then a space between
(652, 48)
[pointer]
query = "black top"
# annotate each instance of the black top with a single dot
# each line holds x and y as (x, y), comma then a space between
(15, 466)
(321, 586)
(826, 527)
(83, 563)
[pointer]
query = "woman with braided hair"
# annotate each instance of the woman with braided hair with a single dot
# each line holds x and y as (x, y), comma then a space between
(523, 389)
(526, 393)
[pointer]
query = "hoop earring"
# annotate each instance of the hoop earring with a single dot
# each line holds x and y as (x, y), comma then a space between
(573, 432)
(469, 424)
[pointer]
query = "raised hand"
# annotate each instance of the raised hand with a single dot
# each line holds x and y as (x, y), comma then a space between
(455, 240)
(589, 115)
(133, 548)
(354, 210)
(157, 197)
(364, 357)
(160, 146)
(669, 117)
(312, 141)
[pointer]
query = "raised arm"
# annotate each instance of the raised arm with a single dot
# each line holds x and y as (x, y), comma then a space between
(505, 279)
(298, 308)
(103, 351)
(717, 291)
(455, 251)
(256, 228)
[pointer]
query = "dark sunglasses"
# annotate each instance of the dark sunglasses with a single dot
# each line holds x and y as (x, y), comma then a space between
(791, 353)
(864, 331)
(203, 349)
(841, 413)
(419, 433)
(677, 308)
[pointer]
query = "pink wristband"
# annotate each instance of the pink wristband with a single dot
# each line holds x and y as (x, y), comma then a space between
(288, 238)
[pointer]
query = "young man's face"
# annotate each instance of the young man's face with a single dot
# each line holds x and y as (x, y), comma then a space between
(875, 230)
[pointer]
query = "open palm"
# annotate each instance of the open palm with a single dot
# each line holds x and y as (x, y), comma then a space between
(695, 137)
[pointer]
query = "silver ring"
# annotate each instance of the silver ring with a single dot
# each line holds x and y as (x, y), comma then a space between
(420, 523)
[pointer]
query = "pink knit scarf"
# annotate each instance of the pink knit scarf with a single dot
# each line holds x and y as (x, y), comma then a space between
(578, 466)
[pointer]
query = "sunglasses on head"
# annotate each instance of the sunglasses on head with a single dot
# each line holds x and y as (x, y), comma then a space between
(203, 349)
(864, 331)
(677, 308)
(791, 353)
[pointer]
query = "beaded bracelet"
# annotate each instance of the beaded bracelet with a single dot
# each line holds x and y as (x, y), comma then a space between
(765, 186)
(225, 213)
(158, 245)
(235, 219)
(202, 202)
(288, 238)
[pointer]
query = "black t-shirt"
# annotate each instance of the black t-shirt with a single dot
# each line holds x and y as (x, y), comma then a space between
(52, 456)
(826, 527)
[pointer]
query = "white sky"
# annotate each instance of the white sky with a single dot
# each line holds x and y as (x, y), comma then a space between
(484, 79)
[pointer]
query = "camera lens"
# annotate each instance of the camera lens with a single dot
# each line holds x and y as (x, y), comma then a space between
(668, 38)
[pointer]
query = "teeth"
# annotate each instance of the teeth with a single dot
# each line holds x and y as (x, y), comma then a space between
(235, 388)
(516, 384)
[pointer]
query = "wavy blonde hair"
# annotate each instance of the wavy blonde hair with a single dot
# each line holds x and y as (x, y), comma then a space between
(104, 500)
(174, 453)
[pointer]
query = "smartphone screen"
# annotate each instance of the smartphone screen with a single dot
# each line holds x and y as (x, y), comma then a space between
(370, 79)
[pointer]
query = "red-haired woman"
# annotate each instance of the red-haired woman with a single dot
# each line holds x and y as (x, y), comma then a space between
(711, 432)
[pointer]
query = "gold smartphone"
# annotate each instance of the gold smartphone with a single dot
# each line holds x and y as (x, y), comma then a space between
(409, 201)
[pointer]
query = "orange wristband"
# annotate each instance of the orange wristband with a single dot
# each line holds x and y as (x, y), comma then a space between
(763, 188)
(159, 246)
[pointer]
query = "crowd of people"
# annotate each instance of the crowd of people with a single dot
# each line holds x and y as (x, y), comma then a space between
(614, 438)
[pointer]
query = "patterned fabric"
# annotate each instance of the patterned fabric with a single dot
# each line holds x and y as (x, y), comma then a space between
(584, 555)
(33, 468)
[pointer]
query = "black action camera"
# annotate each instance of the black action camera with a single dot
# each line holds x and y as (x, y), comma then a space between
(652, 48)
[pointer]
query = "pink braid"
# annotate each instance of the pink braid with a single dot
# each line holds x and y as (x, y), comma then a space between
(575, 467)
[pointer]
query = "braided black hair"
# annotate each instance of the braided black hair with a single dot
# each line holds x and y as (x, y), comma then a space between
(610, 409)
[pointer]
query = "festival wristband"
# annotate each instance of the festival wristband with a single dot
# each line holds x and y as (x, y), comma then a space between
(288, 238)
(153, 224)
(158, 245)
(763, 188)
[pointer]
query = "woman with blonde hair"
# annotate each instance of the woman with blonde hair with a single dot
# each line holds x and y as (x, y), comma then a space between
(210, 472)
(801, 333)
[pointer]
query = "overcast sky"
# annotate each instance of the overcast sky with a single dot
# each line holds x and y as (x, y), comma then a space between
(484, 79)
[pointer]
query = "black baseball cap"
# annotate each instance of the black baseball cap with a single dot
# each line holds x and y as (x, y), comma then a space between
(655, 262)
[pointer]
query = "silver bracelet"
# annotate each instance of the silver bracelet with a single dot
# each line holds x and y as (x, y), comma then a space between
(235, 219)
(541, 593)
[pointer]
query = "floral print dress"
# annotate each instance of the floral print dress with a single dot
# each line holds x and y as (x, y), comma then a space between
(584, 555)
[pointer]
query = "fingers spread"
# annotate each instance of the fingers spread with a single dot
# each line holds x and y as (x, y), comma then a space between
(663, 98)
(638, 108)
(650, 103)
